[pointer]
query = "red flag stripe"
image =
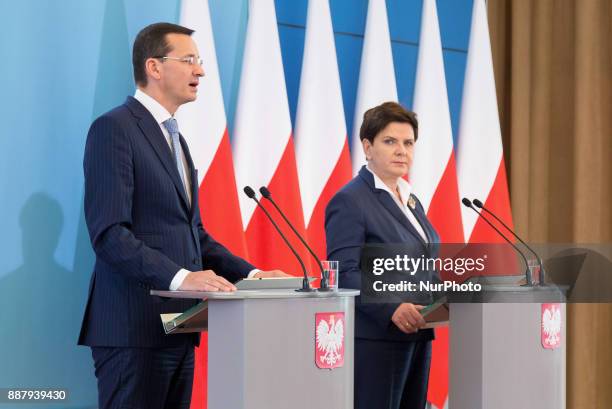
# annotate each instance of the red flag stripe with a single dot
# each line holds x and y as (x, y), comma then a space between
(316, 227)
(219, 202)
(266, 248)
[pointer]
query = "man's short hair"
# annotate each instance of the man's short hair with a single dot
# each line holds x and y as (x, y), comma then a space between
(151, 42)
(376, 119)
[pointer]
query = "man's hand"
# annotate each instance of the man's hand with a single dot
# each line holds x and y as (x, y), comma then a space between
(271, 273)
(206, 280)
(408, 318)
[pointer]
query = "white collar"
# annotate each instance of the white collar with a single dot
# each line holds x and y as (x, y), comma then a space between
(405, 188)
(155, 108)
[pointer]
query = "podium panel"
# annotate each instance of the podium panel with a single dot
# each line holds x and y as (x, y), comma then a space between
(262, 346)
(262, 354)
(497, 359)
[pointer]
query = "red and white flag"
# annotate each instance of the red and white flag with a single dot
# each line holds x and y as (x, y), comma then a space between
(376, 74)
(204, 125)
(480, 160)
(433, 173)
(324, 163)
(263, 146)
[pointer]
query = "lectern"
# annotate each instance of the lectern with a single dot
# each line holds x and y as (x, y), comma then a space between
(500, 354)
(263, 348)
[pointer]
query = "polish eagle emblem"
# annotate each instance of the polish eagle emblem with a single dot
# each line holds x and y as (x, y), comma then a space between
(329, 349)
(551, 325)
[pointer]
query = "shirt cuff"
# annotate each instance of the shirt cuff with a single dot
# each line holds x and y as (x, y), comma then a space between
(253, 272)
(178, 279)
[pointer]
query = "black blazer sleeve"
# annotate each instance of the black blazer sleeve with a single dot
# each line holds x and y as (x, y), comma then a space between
(219, 259)
(345, 230)
(109, 185)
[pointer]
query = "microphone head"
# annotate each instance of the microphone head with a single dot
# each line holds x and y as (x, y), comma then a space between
(265, 192)
(477, 203)
(249, 192)
(466, 202)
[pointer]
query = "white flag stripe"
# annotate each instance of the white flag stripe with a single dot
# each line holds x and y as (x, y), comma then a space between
(263, 125)
(203, 121)
(376, 74)
(320, 130)
(435, 144)
(479, 153)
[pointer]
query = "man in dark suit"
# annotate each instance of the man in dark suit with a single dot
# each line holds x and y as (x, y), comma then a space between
(392, 353)
(141, 207)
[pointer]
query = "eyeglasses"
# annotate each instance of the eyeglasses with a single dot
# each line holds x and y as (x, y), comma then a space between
(191, 60)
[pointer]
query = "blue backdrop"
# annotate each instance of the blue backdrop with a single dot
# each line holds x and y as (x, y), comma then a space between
(66, 62)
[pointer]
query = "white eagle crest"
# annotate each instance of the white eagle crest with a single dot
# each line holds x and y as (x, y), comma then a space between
(330, 337)
(551, 324)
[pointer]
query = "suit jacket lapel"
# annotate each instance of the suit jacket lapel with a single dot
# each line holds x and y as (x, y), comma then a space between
(193, 172)
(154, 135)
(420, 216)
(388, 203)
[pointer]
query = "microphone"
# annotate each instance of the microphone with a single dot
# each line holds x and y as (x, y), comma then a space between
(466, 202)
(542, 274)
(267, 195)
(305, 283)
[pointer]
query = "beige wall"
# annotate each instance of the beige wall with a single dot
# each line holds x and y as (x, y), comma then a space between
(553, 68)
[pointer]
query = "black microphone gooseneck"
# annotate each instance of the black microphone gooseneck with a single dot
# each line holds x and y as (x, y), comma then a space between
(466, 202)
(305, 283)
(542, 274)
(265, 192)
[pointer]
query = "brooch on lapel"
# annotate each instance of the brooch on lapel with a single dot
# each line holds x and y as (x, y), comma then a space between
(411, 202)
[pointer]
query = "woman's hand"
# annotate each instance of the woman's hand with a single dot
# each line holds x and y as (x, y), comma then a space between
(408, 318)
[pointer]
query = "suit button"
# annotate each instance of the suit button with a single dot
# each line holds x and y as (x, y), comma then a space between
(196, 261)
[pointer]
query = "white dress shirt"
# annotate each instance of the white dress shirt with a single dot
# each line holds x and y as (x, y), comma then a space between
(405, 189)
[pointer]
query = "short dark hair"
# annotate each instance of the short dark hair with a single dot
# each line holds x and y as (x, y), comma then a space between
(151, 42)
(377, 118)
